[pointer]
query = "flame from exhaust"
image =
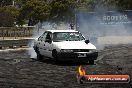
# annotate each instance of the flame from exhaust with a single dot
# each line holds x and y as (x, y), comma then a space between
(81, 71)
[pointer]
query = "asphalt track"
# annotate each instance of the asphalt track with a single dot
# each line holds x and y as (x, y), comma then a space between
(18, 70)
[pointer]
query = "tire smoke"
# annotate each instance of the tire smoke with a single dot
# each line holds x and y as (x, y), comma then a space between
(39, 30)
(98, 25)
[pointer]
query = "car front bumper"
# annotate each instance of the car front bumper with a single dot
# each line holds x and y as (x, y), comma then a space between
(77, 56)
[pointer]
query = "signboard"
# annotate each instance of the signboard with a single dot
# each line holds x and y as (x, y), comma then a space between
(104, 23)
(110, 17)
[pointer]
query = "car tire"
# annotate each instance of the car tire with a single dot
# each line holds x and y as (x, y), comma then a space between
(39, 56)
(91, 61)
(54, 54)
(35, 48)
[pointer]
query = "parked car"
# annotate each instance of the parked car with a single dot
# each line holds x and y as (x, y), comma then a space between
(65, 45)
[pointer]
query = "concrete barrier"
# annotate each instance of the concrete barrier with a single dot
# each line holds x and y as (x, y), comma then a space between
(15, 43)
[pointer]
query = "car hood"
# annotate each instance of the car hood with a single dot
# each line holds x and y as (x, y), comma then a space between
(73, 45)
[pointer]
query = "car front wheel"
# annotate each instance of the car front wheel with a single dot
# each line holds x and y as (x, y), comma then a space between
(54, 54)
(39, 56)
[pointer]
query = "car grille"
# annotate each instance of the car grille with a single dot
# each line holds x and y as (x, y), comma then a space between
(80, 50)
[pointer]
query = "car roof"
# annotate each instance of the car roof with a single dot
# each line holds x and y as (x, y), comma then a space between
(61, 31)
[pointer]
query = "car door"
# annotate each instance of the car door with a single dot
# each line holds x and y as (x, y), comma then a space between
(48, 45)
(42, 44)
(38, 42)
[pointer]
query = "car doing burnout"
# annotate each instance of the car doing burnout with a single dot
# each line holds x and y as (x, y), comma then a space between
(65, 45)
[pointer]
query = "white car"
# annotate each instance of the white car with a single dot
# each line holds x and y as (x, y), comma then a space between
(65, 45)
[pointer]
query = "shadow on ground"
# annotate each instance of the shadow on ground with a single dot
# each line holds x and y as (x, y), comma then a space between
(63, 63)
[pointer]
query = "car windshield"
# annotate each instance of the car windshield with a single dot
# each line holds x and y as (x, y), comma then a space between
(67, 36)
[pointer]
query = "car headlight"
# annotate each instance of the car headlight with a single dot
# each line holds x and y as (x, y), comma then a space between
(66, 50)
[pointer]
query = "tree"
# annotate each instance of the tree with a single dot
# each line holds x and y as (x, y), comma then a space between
(5, 2)
(34, 11)
(8, 16)
(62, 10)
(124, 4)
(93, 5)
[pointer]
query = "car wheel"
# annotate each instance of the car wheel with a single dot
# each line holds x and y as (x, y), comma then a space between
(35, 48)
(54, 54)
(91, 61)
(39, 56)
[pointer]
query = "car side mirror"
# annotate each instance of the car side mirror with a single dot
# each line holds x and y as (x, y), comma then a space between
(48, 40)
(87, 41)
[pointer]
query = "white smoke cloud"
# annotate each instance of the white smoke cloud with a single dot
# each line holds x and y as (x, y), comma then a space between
(39, 30)
(93, 25)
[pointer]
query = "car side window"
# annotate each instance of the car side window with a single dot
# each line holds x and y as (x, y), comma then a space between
(49, 36)
(42, 37)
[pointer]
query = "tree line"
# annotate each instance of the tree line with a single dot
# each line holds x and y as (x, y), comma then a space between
(19, 12)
